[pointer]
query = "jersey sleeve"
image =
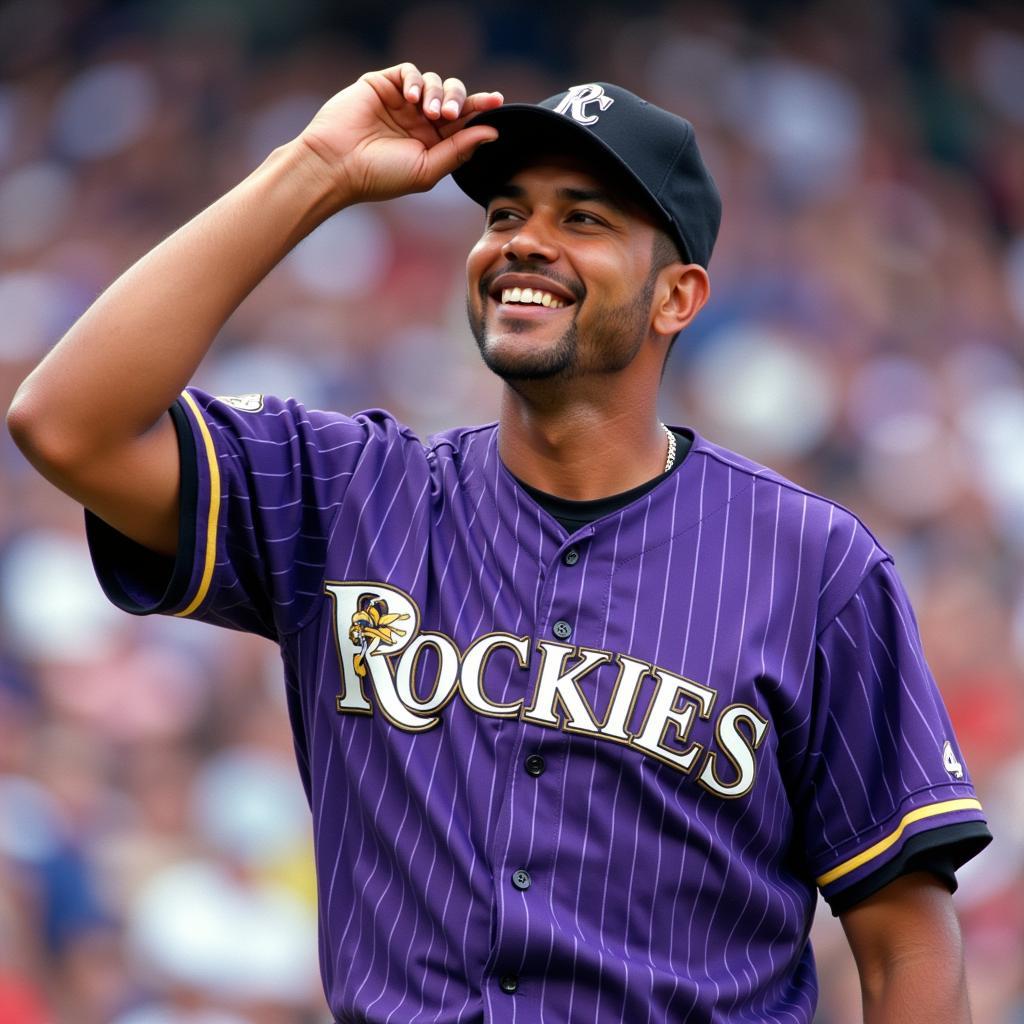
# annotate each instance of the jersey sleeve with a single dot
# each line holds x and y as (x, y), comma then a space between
(887, 780)
(262, 480)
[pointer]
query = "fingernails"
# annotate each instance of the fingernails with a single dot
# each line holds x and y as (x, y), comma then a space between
(414, 93)
(451, 108)
(434, 106)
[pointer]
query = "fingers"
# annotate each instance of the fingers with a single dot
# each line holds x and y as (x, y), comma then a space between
(482, 101)
(474, 105)
(412, 82)
(454, 98)
(433, 94)
(455, 150)
(440, 99)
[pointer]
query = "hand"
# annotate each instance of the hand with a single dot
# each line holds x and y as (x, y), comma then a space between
(396, 131)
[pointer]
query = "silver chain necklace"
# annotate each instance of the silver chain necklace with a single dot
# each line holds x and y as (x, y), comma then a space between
(670, 459)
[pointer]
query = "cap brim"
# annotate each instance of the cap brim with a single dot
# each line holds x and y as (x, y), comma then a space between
(525, 131)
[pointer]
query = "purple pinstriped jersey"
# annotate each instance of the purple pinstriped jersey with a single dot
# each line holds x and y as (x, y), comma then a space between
(595, 777)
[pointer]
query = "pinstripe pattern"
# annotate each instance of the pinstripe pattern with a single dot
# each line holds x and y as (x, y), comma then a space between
(656, 894)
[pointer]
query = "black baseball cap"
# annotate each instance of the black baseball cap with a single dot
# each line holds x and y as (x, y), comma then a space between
(655, 150)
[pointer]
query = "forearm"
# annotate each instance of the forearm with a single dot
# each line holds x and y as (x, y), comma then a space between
(145, 335)
(909, 951)
(919, 989)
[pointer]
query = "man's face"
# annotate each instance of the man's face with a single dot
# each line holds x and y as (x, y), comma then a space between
(560, 282)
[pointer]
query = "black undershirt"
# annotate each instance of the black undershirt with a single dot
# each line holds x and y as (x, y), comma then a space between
(574, 515)
(940, 851)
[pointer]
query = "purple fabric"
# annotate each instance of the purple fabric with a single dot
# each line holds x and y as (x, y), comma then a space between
(740, 708)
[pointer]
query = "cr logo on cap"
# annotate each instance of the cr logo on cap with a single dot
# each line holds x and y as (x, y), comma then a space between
(575, 101)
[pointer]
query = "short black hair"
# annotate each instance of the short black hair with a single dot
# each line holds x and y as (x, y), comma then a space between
(664, 251)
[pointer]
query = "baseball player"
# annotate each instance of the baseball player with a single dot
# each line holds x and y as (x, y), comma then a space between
(587, 708)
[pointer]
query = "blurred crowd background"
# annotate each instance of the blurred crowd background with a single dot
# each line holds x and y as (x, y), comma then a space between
(865, 336)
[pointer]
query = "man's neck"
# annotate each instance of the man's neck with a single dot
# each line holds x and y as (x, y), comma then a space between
(581, 450)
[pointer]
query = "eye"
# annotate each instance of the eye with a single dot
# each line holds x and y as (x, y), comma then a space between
(585, 217)
(501, 213)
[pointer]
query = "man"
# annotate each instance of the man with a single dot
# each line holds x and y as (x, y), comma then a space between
(586, 707)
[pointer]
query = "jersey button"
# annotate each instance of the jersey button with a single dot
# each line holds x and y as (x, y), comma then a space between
(521, 880)
(571, 557)
(562, 629)
(509, 983)
(534, 765)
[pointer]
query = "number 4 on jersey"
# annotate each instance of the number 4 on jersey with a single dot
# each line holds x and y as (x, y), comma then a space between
(949, 761)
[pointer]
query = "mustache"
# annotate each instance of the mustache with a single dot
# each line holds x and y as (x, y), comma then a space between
(526, 267)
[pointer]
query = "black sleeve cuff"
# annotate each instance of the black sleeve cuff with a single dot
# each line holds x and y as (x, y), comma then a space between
(940, 851)
(133, 577)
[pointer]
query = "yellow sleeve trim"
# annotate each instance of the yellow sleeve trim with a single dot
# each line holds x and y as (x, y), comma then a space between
(212, 512)
(930, 811)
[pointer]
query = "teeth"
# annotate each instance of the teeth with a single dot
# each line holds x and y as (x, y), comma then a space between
(533, 296)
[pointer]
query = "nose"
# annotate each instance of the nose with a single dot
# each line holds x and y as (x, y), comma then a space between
(532, 241)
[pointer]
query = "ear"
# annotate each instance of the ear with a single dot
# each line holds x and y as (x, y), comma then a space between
(682, 290)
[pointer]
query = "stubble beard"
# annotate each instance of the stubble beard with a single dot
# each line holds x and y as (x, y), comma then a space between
(560, 359)
(615, 342)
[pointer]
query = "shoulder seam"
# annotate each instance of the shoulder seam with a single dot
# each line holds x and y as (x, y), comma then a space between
(868, 570)
(770, 475)
(435, 441)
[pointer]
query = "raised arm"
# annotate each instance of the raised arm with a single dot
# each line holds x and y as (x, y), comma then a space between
(92, 416)
(909, 953)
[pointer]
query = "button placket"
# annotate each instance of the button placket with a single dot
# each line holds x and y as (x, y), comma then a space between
(562, 629)
(518, 842)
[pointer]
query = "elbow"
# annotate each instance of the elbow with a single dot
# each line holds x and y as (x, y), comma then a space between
(43, 439)
(21, 421)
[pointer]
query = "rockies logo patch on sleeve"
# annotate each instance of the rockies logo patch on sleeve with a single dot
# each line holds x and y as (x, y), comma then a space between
(244, 403)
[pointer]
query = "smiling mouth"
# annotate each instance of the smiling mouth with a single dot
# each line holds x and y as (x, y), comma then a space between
(530, 297)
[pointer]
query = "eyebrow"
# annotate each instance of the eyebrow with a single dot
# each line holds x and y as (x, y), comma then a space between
(572, 195)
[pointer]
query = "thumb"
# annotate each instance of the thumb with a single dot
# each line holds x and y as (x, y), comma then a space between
(454, 151)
